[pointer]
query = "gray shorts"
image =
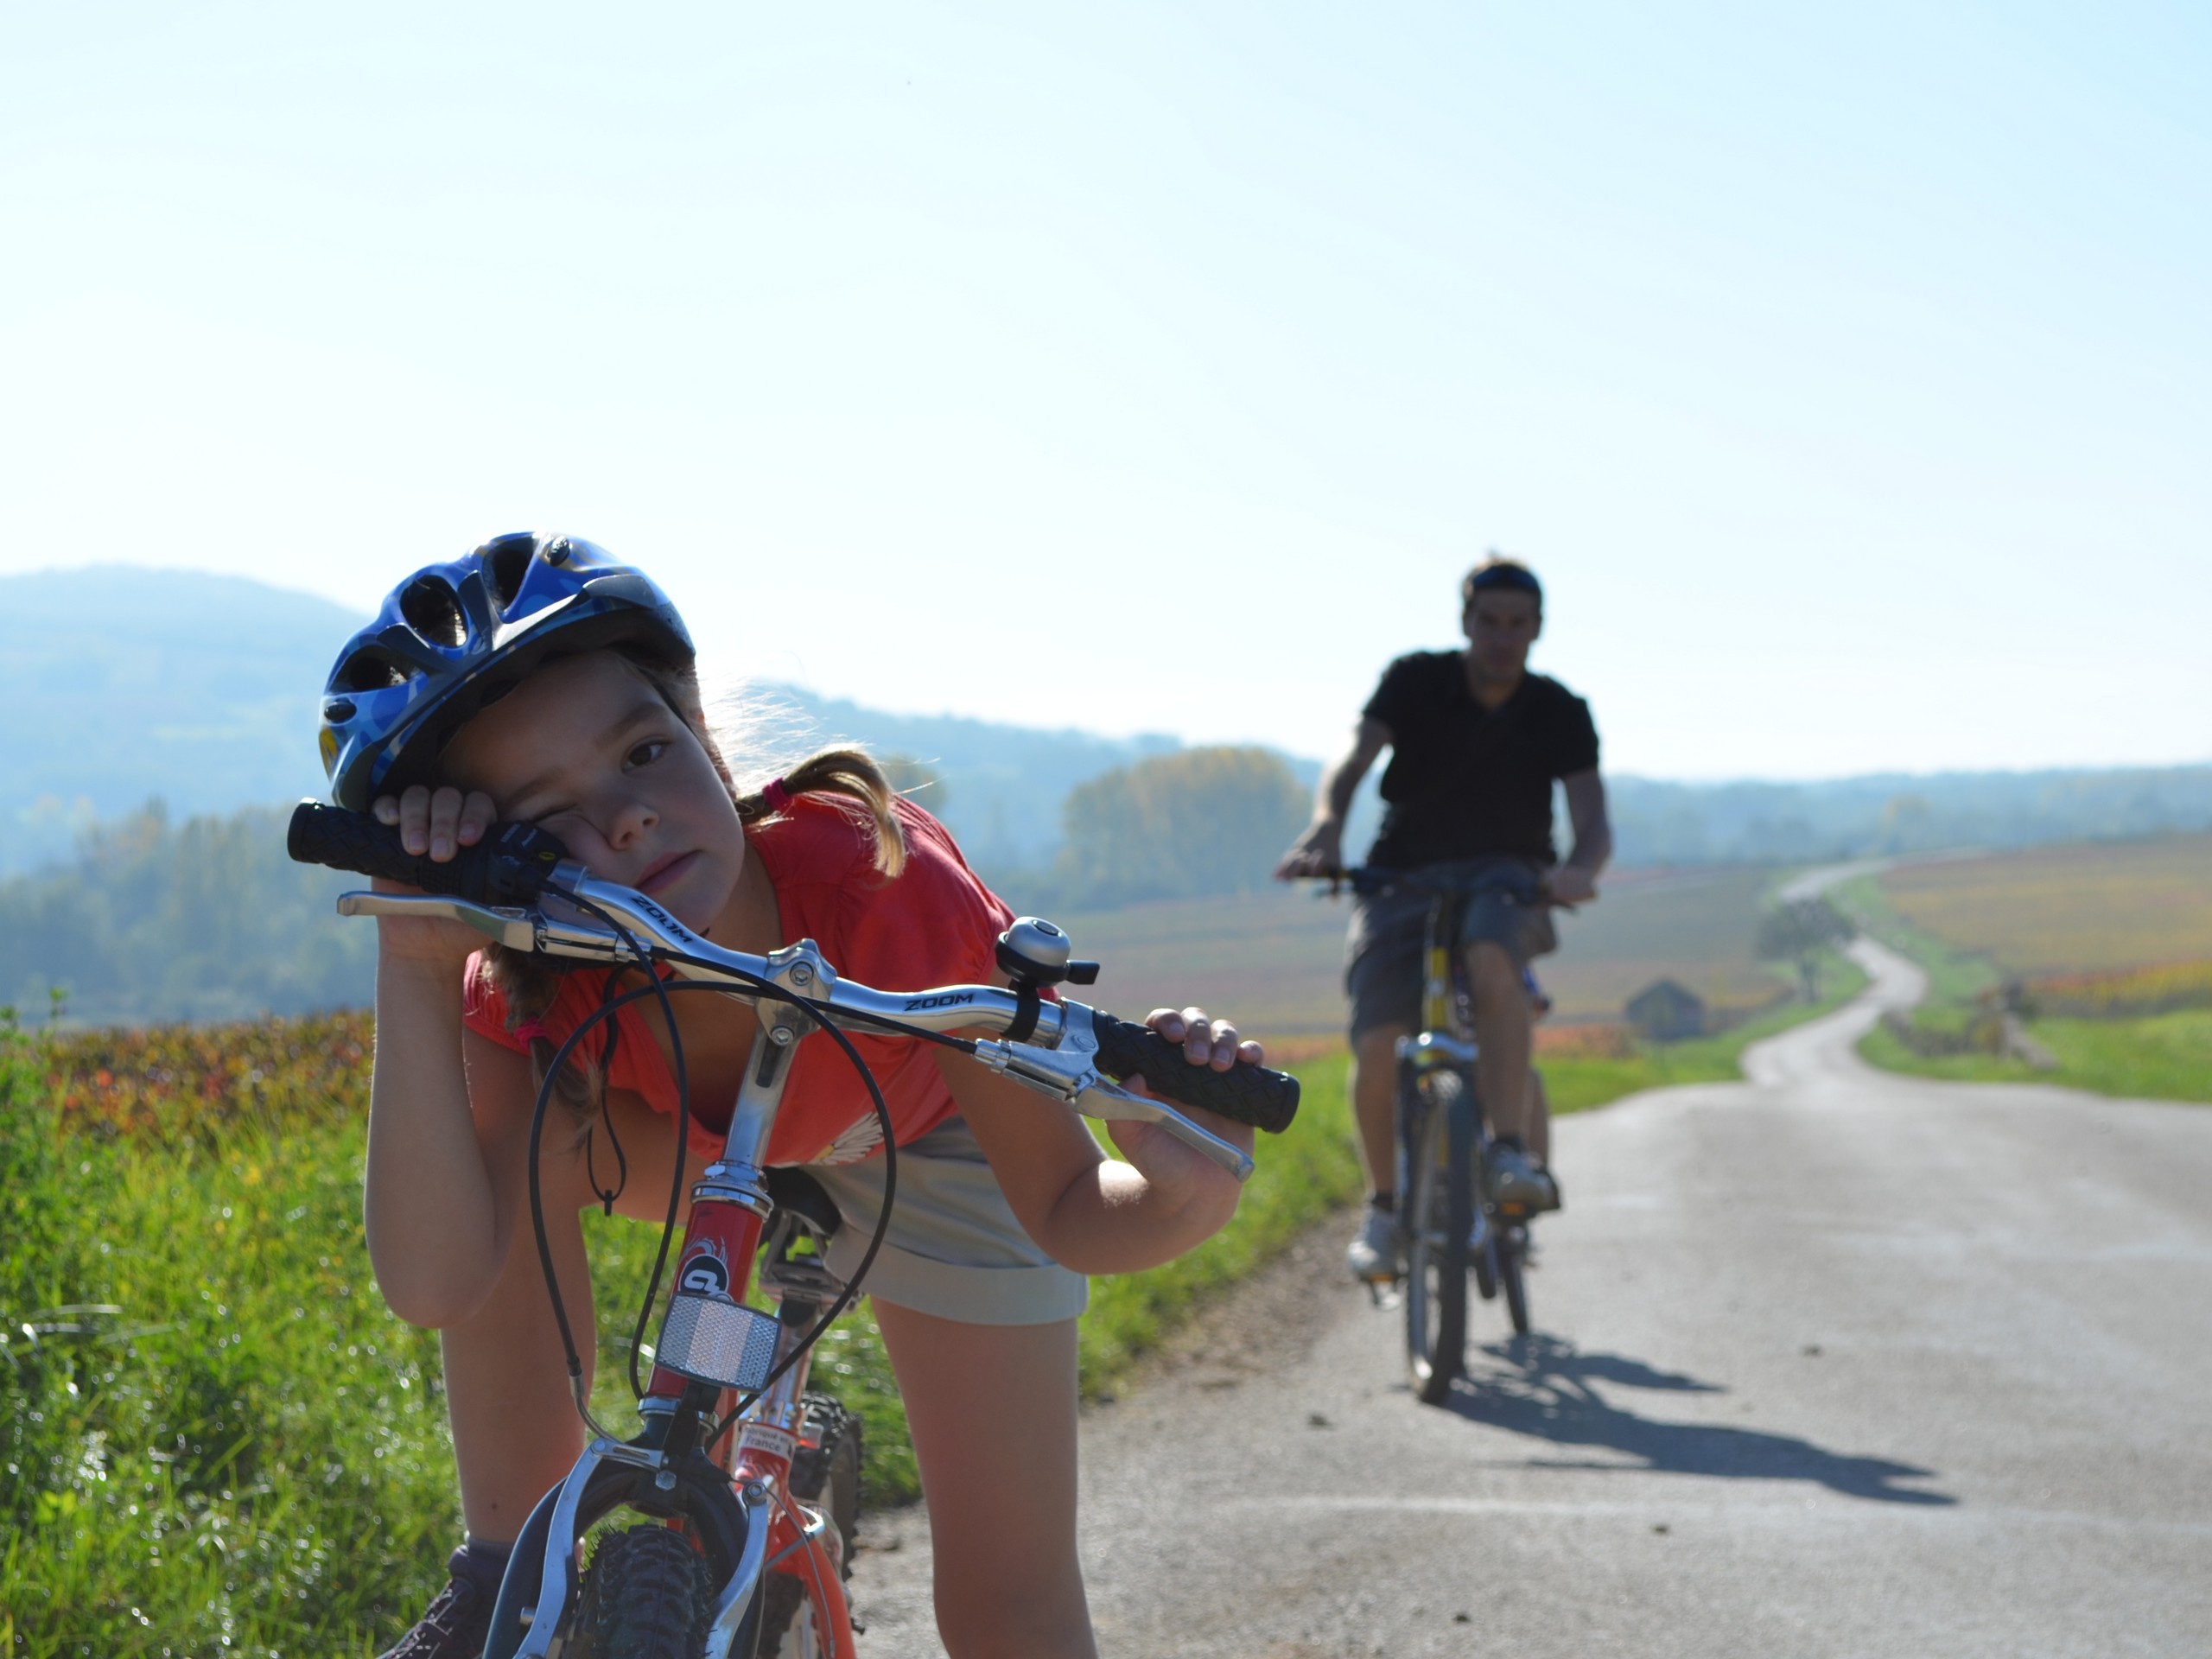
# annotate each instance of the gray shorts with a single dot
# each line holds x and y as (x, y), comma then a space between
(1383, 971)
(955, 1250)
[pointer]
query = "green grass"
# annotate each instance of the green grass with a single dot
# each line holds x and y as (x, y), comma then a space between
(2165, 1057)
(250, 1455)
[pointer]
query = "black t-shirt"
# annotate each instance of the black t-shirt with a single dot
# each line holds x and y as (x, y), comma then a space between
(1467, 782)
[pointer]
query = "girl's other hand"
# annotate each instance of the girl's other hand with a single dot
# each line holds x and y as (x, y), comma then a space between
(1205, 1042)
(1182, 1171)
(439, 823)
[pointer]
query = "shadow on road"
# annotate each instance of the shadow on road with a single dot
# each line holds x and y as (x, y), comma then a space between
(1541, 1387)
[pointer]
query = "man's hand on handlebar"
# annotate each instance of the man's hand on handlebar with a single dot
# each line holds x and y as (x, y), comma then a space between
(1319, 851)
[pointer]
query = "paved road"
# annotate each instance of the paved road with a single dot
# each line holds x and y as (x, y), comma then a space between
(1833, 1363)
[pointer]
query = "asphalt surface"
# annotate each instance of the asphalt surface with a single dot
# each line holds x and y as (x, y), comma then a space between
(1831, 1363)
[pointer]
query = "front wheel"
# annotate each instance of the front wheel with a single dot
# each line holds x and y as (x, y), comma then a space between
(1438, 1126)
(646, 1595)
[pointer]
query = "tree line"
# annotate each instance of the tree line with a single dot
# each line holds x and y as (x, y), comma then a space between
(208, 919)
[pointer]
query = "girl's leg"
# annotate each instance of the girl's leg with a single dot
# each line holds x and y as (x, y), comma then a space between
(992, 1409)
(515, 1428)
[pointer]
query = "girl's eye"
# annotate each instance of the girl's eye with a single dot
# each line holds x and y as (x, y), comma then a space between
(646, 753)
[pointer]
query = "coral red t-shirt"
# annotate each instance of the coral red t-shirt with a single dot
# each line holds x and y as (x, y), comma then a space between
(935, 924)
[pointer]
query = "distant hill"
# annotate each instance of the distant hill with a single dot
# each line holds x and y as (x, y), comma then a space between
(1658, 822)
(121, 685)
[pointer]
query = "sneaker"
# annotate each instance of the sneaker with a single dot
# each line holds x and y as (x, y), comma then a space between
(1514, 1179)
(454, 1625)
(1380, 1249)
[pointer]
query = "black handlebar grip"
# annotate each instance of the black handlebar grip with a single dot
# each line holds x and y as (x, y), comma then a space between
(1250, 1094)
(508, 866)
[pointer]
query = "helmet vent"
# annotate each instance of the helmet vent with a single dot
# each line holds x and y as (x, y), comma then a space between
(433, 611)
(506, 565)
(367, 670)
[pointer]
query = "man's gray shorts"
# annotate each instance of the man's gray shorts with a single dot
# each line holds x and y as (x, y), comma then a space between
(1382, 952)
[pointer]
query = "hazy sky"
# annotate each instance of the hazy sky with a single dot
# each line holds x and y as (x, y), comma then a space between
(1161, 367)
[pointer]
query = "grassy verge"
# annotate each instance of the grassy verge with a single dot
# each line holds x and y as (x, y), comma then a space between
(213, 1438)
(2165, 1057)
(2157, 1056)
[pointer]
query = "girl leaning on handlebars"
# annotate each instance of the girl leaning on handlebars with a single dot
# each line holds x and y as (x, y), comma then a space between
(540, 680)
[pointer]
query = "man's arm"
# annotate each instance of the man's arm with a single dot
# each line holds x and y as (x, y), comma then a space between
(1575, 882)
(1320, 849)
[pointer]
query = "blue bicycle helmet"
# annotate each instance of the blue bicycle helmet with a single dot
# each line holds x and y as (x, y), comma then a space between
(455, 637)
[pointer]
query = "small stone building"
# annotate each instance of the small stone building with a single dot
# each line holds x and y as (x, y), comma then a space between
(1665, 1011)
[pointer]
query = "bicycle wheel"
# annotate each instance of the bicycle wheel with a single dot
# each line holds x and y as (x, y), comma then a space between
(644, 1596)
(1512, 1254)
(825, 1475)
(1438, 1202)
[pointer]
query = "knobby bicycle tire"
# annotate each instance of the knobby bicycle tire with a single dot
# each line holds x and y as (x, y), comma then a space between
(1438, 1127)
(646, 1596)
(825, 1475)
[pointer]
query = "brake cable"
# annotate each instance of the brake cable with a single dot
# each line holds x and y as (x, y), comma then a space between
(608, 1009)
(682, 1129)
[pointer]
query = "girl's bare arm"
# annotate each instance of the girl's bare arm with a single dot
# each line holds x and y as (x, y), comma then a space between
(1088, 1212)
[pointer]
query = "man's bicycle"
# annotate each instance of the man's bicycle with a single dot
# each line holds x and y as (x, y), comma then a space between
(743, 1487)
(1453, 1228)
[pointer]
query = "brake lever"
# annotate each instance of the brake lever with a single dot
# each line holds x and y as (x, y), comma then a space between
(557, 928)
(1073, 1076)
(1148, 1109)
(516, 929)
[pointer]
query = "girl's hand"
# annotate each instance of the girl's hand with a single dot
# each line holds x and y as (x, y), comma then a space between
(439, 823)
(1181, 1172)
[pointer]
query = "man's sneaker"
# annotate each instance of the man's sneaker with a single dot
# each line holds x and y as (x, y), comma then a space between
(1514, 1179)
(455, 1624)
(1380, 1247)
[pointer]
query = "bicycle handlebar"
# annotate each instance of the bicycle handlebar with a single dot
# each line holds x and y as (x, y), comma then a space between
(511, 866)
(505, 884)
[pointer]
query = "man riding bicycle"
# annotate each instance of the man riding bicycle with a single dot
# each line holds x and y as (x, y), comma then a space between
(1477, 743)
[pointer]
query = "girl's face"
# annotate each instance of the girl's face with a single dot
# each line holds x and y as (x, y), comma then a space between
(587, 748)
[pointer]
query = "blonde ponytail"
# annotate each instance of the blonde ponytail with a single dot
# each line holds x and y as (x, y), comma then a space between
(852, 773)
